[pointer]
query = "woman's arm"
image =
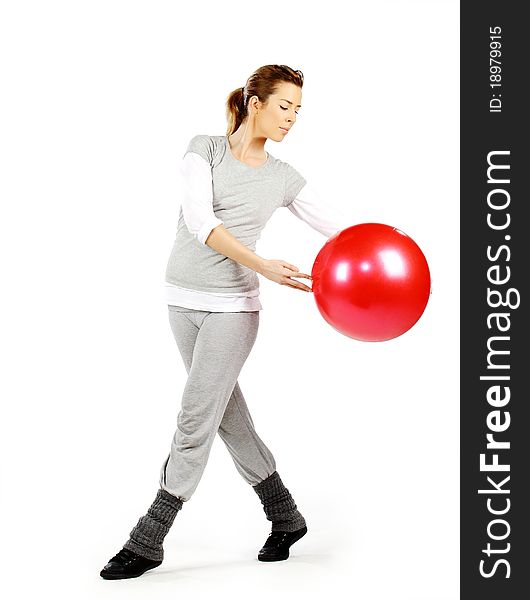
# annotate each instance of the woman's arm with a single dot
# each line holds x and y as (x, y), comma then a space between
(197, 196)
(279, 271)
(221, 240)
(322, 216)
(199, 216)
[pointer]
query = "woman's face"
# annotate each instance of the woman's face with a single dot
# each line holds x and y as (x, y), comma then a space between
(278, 115)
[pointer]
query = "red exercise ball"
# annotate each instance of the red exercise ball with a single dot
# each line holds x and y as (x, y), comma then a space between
(371, 282)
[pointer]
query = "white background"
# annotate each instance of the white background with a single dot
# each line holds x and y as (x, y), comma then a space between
(100, 100)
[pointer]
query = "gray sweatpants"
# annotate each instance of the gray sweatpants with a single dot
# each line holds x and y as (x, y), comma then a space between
(214, 347)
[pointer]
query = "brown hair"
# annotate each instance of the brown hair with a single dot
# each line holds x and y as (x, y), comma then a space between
(262, 83)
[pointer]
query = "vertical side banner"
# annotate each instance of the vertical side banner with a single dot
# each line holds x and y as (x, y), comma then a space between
(495, 499)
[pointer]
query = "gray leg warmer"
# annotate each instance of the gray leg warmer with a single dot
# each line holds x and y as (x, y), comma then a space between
(147, 536)
(278, 504)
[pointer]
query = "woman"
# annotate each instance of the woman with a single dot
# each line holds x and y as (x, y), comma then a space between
(230, 188)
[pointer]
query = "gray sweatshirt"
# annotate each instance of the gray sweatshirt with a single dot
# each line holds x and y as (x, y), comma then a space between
(244, 199)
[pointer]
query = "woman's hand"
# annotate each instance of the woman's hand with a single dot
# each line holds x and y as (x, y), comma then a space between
(222, 241)
(281, 272)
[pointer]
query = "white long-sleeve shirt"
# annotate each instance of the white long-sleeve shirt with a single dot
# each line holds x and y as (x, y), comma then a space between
(197, 209)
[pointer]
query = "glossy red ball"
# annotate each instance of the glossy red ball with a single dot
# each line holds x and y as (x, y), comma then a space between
(371, 282)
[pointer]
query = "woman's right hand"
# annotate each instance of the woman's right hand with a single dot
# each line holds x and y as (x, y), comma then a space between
(281, 272)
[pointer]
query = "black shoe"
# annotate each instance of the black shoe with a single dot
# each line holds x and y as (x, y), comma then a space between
(127, 564)
(278, 543)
